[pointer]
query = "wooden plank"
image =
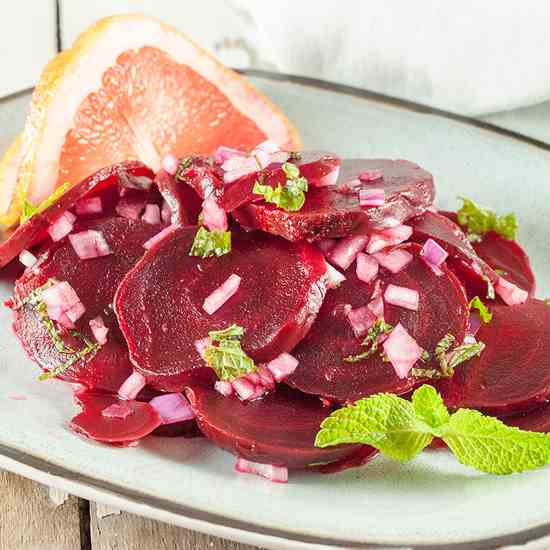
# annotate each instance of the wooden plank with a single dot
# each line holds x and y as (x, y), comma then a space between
(128, 532)
(30, 520)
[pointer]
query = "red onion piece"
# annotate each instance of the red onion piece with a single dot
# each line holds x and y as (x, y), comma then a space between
(266, 378)
(28, 259)
(277, 474)
(60, 299)
(402, 297)
(510, 293)
(282, 366)
(376, 304)
(268, 146)
(237, 167)
(166, 213)
(117, 410)
(224, 387)
(92, 205)
(367, 267)
(371, 176)
(170, 163)
(388, 237)
(227, 289)
(372, 196)
(222, 153)
(76, 312)
(346, 250)
(90, 244)
(99, 330)
(130, 207)
(151, 214)
(172, 408)
(213, 215)
(132, 386)
(402, 350)
(394, 261)
(243, 388)
(433, 254)
(361, 319)
(62, 226)
(334, 277)
(201, 345)
(159, 236)
(253, 378)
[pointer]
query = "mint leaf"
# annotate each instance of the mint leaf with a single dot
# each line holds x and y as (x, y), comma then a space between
(428, 405)
(371, 341)
(184, 164)
(462, 353)
(226, 356)
(479, 221)
(290, 197)
(210, 243)
(384, 421)
(488, 445)
(484, 312)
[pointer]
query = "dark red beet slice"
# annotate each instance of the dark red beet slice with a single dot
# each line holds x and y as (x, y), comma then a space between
(279, 429)
(359, 458)
(159, 303)
(132, 421)
(513, 372)
(504, 255)
(95, 281)
(321, 370)
(131, 176)
(335, 211)
(184, 203)
(187, 429)
(533, 421)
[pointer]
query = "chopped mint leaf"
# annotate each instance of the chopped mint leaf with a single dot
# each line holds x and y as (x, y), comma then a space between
(478, 221)
(28, 210)
(226, 356)
(210, 243)
(463, 353)
(401, 429)
(371, 341)
(484, 312)
(291, 197)
(88, 351)
(185, 164)
(440, 353)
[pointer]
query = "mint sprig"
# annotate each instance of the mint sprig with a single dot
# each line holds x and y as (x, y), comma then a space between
(28, 210)
(290, 197)
(484, 312)
(210, 243)
(401, 429)
(478, 221)
(371, 341)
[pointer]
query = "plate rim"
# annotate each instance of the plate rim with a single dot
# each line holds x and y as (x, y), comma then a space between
(88, 487)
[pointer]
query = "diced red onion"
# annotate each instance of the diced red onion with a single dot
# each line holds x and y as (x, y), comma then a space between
(474, 323)
(326, 245)
(151, 214)
(166, 213)
(334, 277)
(360, 320)
(470, 339)
(238, 167)
(63, 304)
(388, 237)
(376, 304)
(99, 330)
(90, 244)
(224, 387)
(346, 250)
(402, 350)
(132, 386)
(510, 293)
(253, 378)
(269, 146)
(282, 366)
(130, 207)
(402, 297)
(433, 253)
(372, 196)
(262, 158)
(266, 378)
(159, 236)
(28, 259)
(223, 153)
(170, 164)
(117, 410)
(172, 408)
(213, 215)
(215, 301)
(243, 388)
(366, 268)
(277, 474)
(328, 179)
(92, 205)
(202, 344)
(371, 176)
(75, 312)
(62, 226)
(394, 261)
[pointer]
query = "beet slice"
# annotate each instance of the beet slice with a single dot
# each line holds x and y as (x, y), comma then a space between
(95, 281)
(135, 421)
(532, 421)
(334, 211)
(127, 177)
(159, 303)
(359, 458)
(279, 429)
(321, 370)
(184, 203)
(513, 372)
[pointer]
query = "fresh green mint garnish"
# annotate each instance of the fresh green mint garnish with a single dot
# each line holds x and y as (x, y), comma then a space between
(184, 164)
(401, 429)
(89, 350)
(478, 221)
(28, 210)
(225, 354)
(291, 196)
(484, 312)
(371, 341)
(210, 243)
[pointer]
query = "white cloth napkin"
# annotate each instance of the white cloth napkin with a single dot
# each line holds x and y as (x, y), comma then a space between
(471, 56)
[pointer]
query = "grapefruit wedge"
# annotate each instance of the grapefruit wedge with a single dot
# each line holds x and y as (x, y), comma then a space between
(132, 87)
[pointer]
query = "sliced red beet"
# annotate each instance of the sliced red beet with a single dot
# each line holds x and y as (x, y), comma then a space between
(111, 420)
(279, 429)
(335, 211)
(321, 370)
(537, 420)
(95, 282)
(359, 458)
(513, 372)
(184, 203)
(160, 303)
(127, 177)
(506, 256)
